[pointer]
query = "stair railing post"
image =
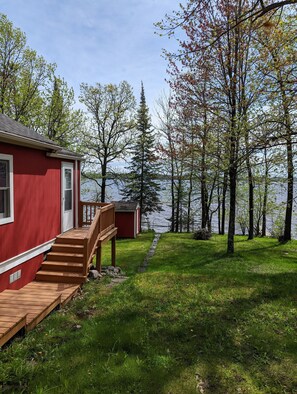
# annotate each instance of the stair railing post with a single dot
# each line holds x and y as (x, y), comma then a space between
(113, 251)
(99, 258)
(86, 257)
(80, 214)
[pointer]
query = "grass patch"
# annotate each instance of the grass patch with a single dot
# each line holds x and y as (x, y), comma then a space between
(198, 320)
(130, 253)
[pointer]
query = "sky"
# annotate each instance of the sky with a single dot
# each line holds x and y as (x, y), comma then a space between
(105, 41)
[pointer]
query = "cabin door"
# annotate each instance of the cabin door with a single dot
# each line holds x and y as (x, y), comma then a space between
(67, 196)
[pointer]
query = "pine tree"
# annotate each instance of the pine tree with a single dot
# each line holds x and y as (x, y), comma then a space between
(142, 185)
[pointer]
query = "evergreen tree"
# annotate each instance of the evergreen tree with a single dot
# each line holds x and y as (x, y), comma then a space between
(142, 185)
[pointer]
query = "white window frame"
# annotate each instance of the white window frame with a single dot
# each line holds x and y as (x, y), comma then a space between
(9, 219)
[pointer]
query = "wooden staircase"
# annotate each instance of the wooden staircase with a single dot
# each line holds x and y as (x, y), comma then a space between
(65, 262)
(72, 253)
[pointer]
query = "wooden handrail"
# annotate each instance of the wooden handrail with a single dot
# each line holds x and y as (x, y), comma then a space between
(87, 211)
(102, 222)
(90, 241)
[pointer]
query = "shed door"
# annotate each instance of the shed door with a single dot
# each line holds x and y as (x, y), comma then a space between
(67, 196)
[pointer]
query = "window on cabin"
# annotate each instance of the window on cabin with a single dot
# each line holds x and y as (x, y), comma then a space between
(6, 189)
(68, 189)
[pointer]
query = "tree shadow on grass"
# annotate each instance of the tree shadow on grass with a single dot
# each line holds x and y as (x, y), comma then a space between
(195, 256)
(153, 335)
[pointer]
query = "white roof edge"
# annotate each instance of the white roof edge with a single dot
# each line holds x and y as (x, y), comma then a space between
(63, 156)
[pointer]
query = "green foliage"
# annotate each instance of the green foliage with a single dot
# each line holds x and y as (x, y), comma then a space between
(12, 46)
(277, 230)
(202, 234)
(31, 93)
(110, 129)
(60, 122)
(23, 75)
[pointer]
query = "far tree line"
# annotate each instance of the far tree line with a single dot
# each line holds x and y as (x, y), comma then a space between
(226, 129)
(231, 117)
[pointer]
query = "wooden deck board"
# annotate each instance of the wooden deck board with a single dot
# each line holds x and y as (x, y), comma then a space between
(26, 307)
(44, 312)
(35, 312)
(77, 233)
(67, 290)
(26, 298)
(15, 325)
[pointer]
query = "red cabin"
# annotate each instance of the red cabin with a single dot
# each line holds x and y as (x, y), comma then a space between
(39, 199)
(127, 219)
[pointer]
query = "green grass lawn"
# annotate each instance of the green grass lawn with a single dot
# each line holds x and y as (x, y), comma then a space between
(198, 321)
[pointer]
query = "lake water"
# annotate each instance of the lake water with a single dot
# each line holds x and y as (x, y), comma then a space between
(159, 221)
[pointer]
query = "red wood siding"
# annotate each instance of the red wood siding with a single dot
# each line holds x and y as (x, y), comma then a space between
(124, 221)
(37, 201)
(28, 271)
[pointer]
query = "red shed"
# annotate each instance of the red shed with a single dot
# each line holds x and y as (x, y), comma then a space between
(39, 197)
(127, 219)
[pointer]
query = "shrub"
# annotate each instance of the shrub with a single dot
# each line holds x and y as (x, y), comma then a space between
(202, 234)
(278, 227)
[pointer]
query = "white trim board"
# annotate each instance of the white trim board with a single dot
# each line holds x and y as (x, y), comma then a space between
(23, 257)
(9, 219)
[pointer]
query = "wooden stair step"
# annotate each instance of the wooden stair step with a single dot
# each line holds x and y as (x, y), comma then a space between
(67, 248)
(69, 241)
(65, 257)
(58, 276)
(62, 266)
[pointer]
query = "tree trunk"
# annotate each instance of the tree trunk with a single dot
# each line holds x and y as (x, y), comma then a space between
(103, 183)
(265, 197)
(219, 210)
(204, 194)
(141, 192)
(250, 178)
(203, 202)
(251, 201)
(189, 210)
(225, 188)
(172, 219)
(232, 209)
(257, 227)
(290, 192)
(178, 206)
(232, 179)
(290, 165)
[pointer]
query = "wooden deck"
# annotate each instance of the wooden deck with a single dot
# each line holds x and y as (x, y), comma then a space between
(23, 309)
(62, 273)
